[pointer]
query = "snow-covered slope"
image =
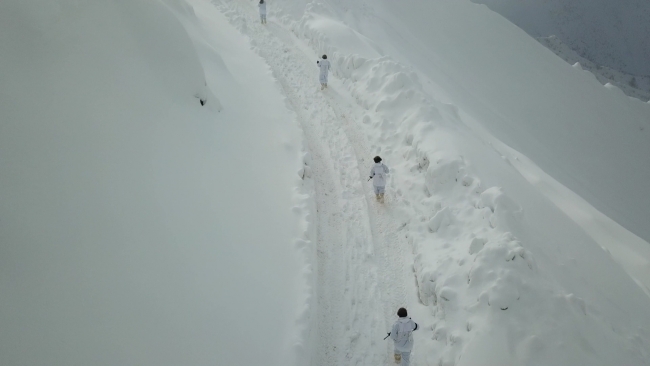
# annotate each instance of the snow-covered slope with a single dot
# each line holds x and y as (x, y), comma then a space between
(138, 227)
(609, 38)
(609, 33)
(586, 136)
(636, 86)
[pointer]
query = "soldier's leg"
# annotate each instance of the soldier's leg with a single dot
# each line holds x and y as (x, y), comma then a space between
(406, 358)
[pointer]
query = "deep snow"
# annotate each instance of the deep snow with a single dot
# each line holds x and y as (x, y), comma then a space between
(138, 227)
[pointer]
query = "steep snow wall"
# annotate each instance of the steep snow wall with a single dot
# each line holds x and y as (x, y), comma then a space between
(77, 41)
(131, 226)
(591, 138)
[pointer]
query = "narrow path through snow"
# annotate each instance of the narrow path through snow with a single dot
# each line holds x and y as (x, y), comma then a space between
(363, 265)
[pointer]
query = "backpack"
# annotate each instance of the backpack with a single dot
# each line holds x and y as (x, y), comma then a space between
(380, 171)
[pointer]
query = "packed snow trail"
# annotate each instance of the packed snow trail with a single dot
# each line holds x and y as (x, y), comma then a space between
(362, 262)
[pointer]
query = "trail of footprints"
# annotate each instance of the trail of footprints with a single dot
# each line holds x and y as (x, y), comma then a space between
(350, 276)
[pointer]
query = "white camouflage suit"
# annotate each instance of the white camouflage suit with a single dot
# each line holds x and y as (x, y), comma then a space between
(402, 336)
(262, 12)
(324, 66)
(378, 173)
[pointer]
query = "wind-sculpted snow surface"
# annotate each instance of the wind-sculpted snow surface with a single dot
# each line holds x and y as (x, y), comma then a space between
(138, 227)
(507, 277)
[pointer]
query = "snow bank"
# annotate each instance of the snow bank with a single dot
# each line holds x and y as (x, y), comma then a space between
(509, 277)
(589, 138)
(136, 225)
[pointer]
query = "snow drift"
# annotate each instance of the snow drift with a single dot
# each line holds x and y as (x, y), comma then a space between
(131, 226)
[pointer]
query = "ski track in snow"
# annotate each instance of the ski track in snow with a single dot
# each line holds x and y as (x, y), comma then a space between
(359, 255)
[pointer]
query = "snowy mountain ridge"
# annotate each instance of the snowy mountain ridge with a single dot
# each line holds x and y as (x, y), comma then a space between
(608, 38)
(608, 33)
(633, 85)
